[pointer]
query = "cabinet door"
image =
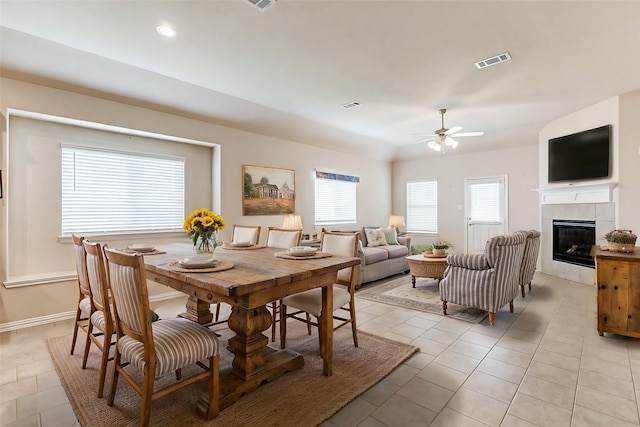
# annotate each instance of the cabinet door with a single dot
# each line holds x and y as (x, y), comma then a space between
(613, 294)
(634, 297)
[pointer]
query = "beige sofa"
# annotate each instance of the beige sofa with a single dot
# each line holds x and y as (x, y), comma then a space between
(379, 262)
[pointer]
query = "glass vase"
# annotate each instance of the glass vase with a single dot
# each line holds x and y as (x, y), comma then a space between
(206, 245)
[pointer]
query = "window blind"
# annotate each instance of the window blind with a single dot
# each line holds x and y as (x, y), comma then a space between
(335, 199)
(110, 192)
(484, 202)
(422, 206)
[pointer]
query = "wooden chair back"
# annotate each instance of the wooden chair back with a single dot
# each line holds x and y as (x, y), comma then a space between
(283, 238)
(342, 244)
(128, 283)
(81, 264)
(246, 233)
(97, 277)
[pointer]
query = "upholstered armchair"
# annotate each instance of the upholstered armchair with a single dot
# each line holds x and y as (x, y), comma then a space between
(529, 259)
(485, 281)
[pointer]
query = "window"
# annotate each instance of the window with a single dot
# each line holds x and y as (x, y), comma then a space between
(335, 198)
(422, 206)
(485, 199)
(116, 192)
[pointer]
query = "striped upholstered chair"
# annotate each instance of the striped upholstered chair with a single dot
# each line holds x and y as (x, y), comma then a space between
(101, 328)
(529, 259)
(84, 295)
(167, 346)
(485, 281)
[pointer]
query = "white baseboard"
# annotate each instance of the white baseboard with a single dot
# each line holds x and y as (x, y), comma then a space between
(51, 318)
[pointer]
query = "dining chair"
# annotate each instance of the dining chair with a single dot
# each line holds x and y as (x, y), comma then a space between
(310, 302)
(280, 238)
(246, 233)
(101, 317)
(83, 310)
(242, 233)
(154, 350)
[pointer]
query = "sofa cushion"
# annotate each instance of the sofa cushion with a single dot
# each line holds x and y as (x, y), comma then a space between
(391, 236)
(396, 251)
(375, 237)
(373, 255)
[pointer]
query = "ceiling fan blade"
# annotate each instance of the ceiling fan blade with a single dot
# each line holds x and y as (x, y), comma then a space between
(424, 134)
(425, 140)
(469, 134)
(453, 130)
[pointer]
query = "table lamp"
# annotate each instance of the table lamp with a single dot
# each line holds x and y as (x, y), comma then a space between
(292, 222)
(396, 221)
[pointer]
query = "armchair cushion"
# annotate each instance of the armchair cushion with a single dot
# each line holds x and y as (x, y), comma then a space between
(470, 261)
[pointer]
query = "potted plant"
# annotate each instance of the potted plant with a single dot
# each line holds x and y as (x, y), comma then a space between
(621, 240)
(440, 248)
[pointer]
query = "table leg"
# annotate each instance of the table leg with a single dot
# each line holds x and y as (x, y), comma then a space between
(327, 330)
(413, 281)
(198, 311)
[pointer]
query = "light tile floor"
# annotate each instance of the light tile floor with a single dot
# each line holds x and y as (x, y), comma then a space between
(543, 365)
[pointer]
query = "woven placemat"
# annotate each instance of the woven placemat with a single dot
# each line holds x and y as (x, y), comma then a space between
(132, 251)
(240, 248)
(317, 255)
(220, 266)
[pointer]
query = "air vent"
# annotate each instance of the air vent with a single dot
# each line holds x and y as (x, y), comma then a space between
(493, 60)
(262, 4)
(351, 104)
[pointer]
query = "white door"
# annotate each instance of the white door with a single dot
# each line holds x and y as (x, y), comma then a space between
(486, 211)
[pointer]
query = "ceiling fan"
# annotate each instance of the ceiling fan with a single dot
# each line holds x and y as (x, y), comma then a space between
(443, 137)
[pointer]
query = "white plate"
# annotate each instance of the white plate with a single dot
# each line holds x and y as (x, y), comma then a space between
(141, 247)
(198, 261)
(241, 244)
(302, 250)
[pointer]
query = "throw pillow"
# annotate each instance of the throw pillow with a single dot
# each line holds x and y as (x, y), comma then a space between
(391, 236)
(375, 237)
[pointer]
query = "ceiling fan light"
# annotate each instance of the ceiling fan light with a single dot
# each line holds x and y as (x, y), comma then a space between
(432, 144)
(437, 147)
(454, 143)
(448, 141)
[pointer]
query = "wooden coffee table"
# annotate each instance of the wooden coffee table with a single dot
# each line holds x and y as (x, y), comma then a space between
(421, 266)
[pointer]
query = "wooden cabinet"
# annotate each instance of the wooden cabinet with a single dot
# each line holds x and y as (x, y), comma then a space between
(618, 281)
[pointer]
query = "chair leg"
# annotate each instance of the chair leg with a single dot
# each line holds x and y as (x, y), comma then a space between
(217, 311)
(522, 289)
(354, 330)
(529, 286)
(178, 374)
(106, 347)
(274, 310)
(87, 345)
(321, 344)
(75, 330)
(214, 387)
(492, 318)
(511, 306)
(147, 394)
(283, 324)
(444, 307)
(308, 324)
(114, 378)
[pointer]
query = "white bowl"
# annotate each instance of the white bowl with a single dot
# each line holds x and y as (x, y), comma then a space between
(241, 244)
(198, 261)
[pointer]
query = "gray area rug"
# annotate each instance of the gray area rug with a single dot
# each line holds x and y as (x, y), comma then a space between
(424, 297)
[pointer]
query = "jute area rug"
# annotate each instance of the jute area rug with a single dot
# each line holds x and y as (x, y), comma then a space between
(303, 397)
(424, 297)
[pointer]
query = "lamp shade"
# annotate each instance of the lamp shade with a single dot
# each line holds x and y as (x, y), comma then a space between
(292, 222)
(396, 221)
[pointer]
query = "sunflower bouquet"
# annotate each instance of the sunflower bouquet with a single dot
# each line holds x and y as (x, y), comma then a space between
(202, 227)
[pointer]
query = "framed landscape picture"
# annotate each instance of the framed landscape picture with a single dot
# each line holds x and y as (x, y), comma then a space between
(268, 191)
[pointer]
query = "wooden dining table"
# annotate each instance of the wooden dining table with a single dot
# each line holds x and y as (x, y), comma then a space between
(257, 278)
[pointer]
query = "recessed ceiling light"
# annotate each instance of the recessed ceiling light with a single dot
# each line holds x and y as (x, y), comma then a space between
(166, 31)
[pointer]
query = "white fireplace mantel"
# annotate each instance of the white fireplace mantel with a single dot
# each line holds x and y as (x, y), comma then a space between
(577, 193)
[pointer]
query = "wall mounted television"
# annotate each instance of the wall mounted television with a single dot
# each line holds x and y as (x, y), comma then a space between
(580, 156)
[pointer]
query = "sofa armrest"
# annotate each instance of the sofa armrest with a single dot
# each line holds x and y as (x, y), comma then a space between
(468, 261)
(405, 240)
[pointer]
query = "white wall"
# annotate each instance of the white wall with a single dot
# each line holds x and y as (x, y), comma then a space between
(237, 148)
(520, 165)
